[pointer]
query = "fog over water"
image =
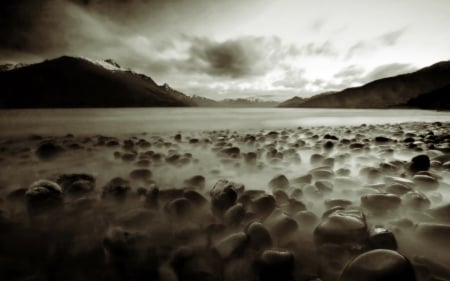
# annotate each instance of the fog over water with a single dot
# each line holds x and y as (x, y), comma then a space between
(137, 120)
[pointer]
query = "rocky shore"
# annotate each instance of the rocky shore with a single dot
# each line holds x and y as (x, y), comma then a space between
(368, 202)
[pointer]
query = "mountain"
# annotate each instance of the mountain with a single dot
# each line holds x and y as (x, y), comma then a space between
(436, 99)
(387, 92)
(78, 82)
(239, 102)
(292, 102)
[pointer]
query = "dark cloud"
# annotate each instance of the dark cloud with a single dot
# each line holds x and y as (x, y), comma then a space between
(240, 57)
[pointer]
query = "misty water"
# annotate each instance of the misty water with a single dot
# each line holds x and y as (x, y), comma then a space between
(155, 120)
(298, 162)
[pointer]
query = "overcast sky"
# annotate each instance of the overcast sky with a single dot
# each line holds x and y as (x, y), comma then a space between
(235, 48)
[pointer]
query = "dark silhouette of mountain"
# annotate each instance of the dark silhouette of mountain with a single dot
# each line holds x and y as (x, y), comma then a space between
(436, 99)
(387, 92)
(292, 102)
(68, 82)
(239, 102)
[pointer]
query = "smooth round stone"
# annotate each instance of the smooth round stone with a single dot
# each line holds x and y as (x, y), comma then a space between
(179, 208)
(322, 173)
(263, 205)
(117, 189)
(234, 215)
(76, 184)
(197, 181)
(233, 244)
(48, 150)
(140, 174)
(331, 203)
(340, 226)
(280, 196)
(379, 265)
(281, 225)
(381, 238)
(400, 180)
(343, 172)
(312, 191)
(275, 265)
(259, 236)
(434, 233)
(306, 218)
(419, 163)
(279, 181)
(425, 183)
(303, 179)
(398, 189)
(416, 200)
(195, 197)
(381, 202)
(43, 195)
(441, 213)
(316, 159)
(324, 186)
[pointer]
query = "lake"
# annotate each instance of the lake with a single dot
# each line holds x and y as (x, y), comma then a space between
(134, 120)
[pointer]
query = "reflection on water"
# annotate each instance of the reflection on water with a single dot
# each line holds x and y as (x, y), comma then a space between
(133, 120)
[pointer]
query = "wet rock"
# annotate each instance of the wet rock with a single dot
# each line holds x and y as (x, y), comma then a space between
(425, 183)
(380, 203)
(234, 215)
(280, 196)
(281, 226)
(435, 234)
(195, 197)
(381, 238)
(129, 157)
(303, 179)
(232, 152)
(419, 163)
(331, 203)
(180, 208)
(441, 213)
(342, 226)
(259, 236)
(48, 150)
(382, 140)
(43, 196)
(197, 181)
(306, 218)
(416, 201)
(223, 196)
(275, 265)
(17, 195)
(263, 205)
(379, 265)
(141, 174)
(322, 173)
(398, 189)
(316, 159)
(279, 181)
(76, 184)
(232, 245)
(144, 163)
(116, 189)
(324, 186)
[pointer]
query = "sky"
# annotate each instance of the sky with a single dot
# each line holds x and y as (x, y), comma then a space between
(265, 49)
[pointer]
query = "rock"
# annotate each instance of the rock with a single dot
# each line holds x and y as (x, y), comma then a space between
(275, 265)
(342, 226)
(441, 213)
(435, 234)
(77, 184)
(398, 189)
(223, 196)
(234, 215)
(232, 152)
(197, 181)
(381, 202)
(322, 173)
(116, 189)
(331, 203)
(382, 140)
(381, 238)
(180, 208)
(303, 179)
(195, 197)
(419, 163)
(425, 183)
(306, 219)
(324, 186)
(279, 181)
(232, 245)
(43, 196)
(259, 236)
(416, 201)
(263, 205)
(379, 265)
(48, 150)
(141, 174)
